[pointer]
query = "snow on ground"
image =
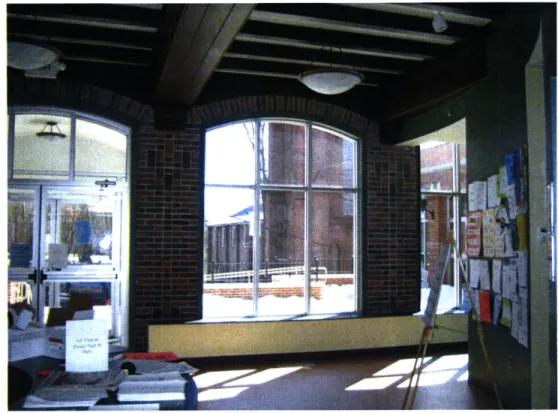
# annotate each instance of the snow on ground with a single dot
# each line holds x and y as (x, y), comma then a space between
(336, 299)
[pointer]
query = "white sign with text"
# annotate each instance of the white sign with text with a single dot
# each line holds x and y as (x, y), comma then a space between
(86, 346)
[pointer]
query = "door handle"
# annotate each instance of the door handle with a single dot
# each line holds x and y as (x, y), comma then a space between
(38, 276)
(33, 276)
(42, 276)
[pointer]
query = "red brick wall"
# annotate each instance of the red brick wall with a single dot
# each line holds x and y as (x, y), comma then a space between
(166, 278)
(392, 248)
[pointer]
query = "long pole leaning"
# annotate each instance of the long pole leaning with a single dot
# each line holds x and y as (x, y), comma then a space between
(422, 348)
(478, 326)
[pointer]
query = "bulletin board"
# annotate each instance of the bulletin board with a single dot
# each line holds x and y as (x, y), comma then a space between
(497, 225)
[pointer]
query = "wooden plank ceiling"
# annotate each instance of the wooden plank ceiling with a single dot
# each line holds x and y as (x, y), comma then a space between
(179, 55)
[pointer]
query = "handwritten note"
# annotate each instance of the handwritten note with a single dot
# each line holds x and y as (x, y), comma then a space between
(522, 268)
(497, 276)
(474, 273)
(503, 182)
(484, 275)
(512, 203)
(496, 309)
(501, 220)
(477, 196)
(86, 346)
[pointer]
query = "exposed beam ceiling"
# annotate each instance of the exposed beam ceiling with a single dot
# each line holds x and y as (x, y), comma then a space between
(426, 11)
(348, 27)
(202, 36)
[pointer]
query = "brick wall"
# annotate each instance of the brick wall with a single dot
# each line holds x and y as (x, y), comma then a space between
(166, 279)
(391, 231)
(237, 291)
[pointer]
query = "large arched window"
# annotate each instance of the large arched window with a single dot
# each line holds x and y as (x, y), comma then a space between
(290, 189)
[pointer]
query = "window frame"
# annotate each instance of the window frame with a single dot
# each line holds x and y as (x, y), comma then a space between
(455, 197)
(307, 187)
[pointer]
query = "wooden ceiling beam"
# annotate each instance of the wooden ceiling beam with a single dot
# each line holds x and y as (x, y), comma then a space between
(425, 11)
(307, 62)
(19, 27)
(280, 75)
(304, 44)
(350, 27)
(86, 21)
(88, 42)
(203, 34)
(104, 60)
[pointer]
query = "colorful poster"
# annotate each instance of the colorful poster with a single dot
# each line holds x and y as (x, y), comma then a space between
(488, 233)
(474, 234)
(484, 304)
(506, 315)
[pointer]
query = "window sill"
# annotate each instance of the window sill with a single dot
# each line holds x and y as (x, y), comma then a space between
(441, 311)
(261, 319)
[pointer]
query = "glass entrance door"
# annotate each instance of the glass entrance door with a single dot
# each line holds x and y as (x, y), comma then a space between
(79, 248)
(23, 241)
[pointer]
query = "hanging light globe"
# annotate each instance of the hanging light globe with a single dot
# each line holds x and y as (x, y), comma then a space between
(330, 81)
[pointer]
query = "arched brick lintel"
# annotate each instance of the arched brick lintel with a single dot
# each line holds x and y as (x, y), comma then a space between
(65, 93)
(294, 107)
(81, 96)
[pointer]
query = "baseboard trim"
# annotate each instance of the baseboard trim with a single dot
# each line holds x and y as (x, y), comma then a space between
(401, 351)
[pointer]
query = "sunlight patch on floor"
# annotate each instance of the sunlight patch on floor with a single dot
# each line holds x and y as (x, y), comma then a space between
(264, 376)
(403, 366)
(374, 383)
(464, 376)
(216, 377)
(431, 379)
(456, 361)
(219, 394)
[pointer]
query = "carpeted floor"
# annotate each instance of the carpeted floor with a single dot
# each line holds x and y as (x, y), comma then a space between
(363, 383)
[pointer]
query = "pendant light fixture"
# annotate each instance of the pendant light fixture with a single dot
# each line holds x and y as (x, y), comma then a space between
(330, 81)
(49, 132)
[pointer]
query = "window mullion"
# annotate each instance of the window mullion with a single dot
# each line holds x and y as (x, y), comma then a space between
(456, 222)
(307, 219)
(256, 238)
(72, 165)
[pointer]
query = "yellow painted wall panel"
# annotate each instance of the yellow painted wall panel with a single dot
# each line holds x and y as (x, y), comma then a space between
(276, 337)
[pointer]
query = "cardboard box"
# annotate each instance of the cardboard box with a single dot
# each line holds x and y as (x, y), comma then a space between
(55, 342)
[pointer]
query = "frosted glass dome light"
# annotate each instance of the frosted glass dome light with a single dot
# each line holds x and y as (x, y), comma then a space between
(330, 81)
